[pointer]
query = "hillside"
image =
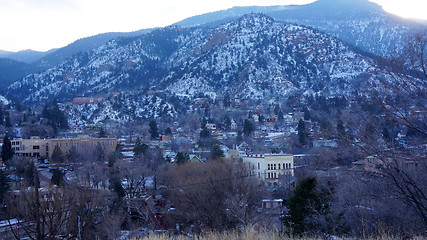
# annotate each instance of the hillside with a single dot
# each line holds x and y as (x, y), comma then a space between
(252, 57)
(358, 22)
(12, 70)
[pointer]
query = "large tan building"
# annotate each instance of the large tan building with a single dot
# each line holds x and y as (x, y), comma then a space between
(33, 147)
(43, 148)
(268, 167)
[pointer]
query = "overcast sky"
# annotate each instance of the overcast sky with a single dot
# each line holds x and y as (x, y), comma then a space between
(45, 24)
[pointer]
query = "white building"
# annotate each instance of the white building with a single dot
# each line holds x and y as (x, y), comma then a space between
(268, 167)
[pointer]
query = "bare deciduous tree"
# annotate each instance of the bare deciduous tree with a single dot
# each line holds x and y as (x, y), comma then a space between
(390, 124)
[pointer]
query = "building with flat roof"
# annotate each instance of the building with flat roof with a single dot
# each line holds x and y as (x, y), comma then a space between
(43, 148)
(33, 147)
(268, 167)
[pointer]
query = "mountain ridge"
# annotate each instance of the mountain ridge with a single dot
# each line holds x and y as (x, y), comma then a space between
(255, 55)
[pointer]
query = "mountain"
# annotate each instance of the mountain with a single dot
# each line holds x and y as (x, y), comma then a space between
(82, 45)
(16, 65)
(26, 56)
(12, 70)
(358, 22)
(253, 57)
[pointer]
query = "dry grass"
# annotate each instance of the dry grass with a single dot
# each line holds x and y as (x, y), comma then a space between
(251, 233)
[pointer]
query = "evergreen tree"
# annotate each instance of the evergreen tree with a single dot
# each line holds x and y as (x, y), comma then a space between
(73, 155)
(248, 128)
(56, 117)
(57, 155)
(99, 153)
(306, 203)
(306, 114)
(216, 152)
(140, 149)
(227, 122)
(6, 149)
(57, 177)
(205, 133)
(30, 174)
(102, 133)
(181, 158)
(115, 183)
(153, 129)
(168, 131)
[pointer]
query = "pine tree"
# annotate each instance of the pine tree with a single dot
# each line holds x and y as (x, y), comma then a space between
(301, 132)
(57, 177)
(248, 128)
(6, 150)
(57, 155)
(306, 203)
(181, 158)
(153, 129)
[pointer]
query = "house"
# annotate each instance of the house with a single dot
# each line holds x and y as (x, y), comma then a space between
(194, 158)
(269, 167)
(272, 203)
(85, 100)
(211, 126)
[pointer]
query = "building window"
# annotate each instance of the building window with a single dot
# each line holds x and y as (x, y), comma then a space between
(258, 166)
(66, 144)
(36, 147)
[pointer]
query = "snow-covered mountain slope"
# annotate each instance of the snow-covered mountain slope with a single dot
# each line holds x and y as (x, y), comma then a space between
(122, 108)
(358, 22)
(252, 57)
(257, 57)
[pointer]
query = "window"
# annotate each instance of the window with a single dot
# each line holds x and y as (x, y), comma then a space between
(258, 166)
(36, 147)
(278, 166)
(66, 144)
